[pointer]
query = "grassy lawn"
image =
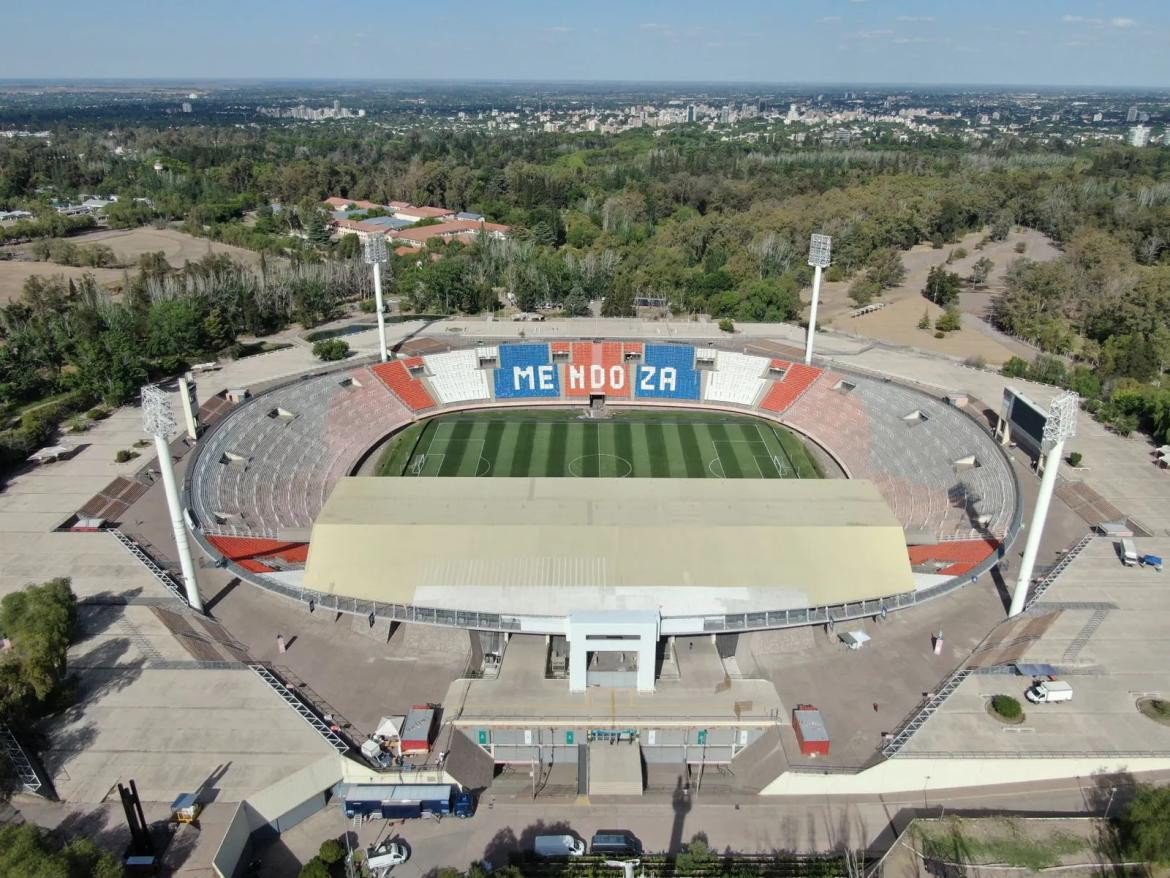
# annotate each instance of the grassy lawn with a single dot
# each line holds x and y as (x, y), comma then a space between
(998, 841)
(560, 442)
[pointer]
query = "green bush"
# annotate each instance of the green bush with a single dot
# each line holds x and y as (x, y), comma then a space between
(315, 868)
(1075, 458)
(98, 413)
(1007, 707)
(331, 852)
(950, 321)
(331, 349)
(123, 455)
(726, 325)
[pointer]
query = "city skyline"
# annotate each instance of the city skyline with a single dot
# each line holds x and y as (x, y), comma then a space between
(860, 42)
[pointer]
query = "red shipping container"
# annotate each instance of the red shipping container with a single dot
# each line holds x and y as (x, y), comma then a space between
(810, 730)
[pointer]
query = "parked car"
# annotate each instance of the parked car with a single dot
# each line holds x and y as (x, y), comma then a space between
(615, 842)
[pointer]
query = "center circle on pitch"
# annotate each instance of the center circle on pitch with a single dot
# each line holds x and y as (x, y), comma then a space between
(609, 466)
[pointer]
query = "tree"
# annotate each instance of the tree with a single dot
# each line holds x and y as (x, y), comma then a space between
(40, 621)
(175, 328)
(942, 286)
(331, 349)
(885, 267)
(1145, 826)
(619, 303)
(696, 858)
(28, 850)
(980, 270)
(1001, 226)
(576, 304)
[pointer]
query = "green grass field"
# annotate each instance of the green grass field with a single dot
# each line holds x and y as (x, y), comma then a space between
(562, 443)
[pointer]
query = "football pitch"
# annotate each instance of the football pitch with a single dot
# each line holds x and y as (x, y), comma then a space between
(563, 443)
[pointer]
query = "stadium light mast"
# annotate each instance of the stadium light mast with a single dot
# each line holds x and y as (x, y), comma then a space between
(375, 251)
(1060, 425)
(820, 248)
(159, 421)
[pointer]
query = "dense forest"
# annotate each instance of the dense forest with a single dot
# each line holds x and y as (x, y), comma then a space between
(712, 226)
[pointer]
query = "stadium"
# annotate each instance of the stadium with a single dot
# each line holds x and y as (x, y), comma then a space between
(610, 495)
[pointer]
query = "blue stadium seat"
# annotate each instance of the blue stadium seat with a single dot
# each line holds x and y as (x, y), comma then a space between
(526, 370)
(668, 372)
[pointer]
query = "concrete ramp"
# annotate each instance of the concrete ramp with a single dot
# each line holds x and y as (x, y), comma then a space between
(760, 763)
(467, 762)
(615, 769)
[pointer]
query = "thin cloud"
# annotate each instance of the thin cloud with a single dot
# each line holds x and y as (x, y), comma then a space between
(916, 18)
(558, 29)
(1120, 21)
(872, 34)
(829, 19)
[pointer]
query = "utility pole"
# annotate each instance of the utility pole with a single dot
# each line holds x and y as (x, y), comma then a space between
(375, 253)
(159, 421)
(820, 249)
(1060, 425)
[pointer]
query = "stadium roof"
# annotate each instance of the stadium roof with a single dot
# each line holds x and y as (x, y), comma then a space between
(551, 546)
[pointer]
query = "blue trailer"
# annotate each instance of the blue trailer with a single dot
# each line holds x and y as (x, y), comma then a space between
(405, 801)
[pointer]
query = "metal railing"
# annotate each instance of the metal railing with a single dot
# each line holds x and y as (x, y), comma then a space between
(1067, 558)
(30, 781)
(303, 710)
(150, 564)
(925, 711)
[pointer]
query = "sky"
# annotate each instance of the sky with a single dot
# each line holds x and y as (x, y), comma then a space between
(1013, 42)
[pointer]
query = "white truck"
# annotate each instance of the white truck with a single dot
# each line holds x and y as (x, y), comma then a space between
(1049, 692)
(558, 846)
(1129, 553)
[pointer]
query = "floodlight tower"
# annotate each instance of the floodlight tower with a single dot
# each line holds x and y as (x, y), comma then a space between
(1060, 425)
(819, 250)
(375, 250)
(159, 422)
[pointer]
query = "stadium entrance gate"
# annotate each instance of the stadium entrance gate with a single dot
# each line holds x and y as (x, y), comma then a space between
(634, 635)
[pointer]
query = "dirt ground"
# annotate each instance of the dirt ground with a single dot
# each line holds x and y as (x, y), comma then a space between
(897, 323)
(13, 274)
(127, 245)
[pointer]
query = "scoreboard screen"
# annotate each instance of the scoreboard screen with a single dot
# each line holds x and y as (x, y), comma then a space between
(1026, 418)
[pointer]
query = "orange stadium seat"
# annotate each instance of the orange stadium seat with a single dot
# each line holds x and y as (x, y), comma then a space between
(407, 388)
(959, 552)
(797, 379)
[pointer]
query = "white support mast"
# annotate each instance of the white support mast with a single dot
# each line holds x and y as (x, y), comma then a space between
(159, 421)
(376, 255)
(819, 252)
(1060, 425)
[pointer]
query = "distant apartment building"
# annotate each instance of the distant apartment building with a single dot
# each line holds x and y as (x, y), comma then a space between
(1139, 135)
(1132, 115)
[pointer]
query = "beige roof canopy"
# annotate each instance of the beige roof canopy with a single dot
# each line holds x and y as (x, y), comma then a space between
(540, 545)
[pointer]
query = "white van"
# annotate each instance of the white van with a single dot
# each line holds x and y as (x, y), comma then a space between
(558, 846)
(1049, 692)
(1129, 554)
